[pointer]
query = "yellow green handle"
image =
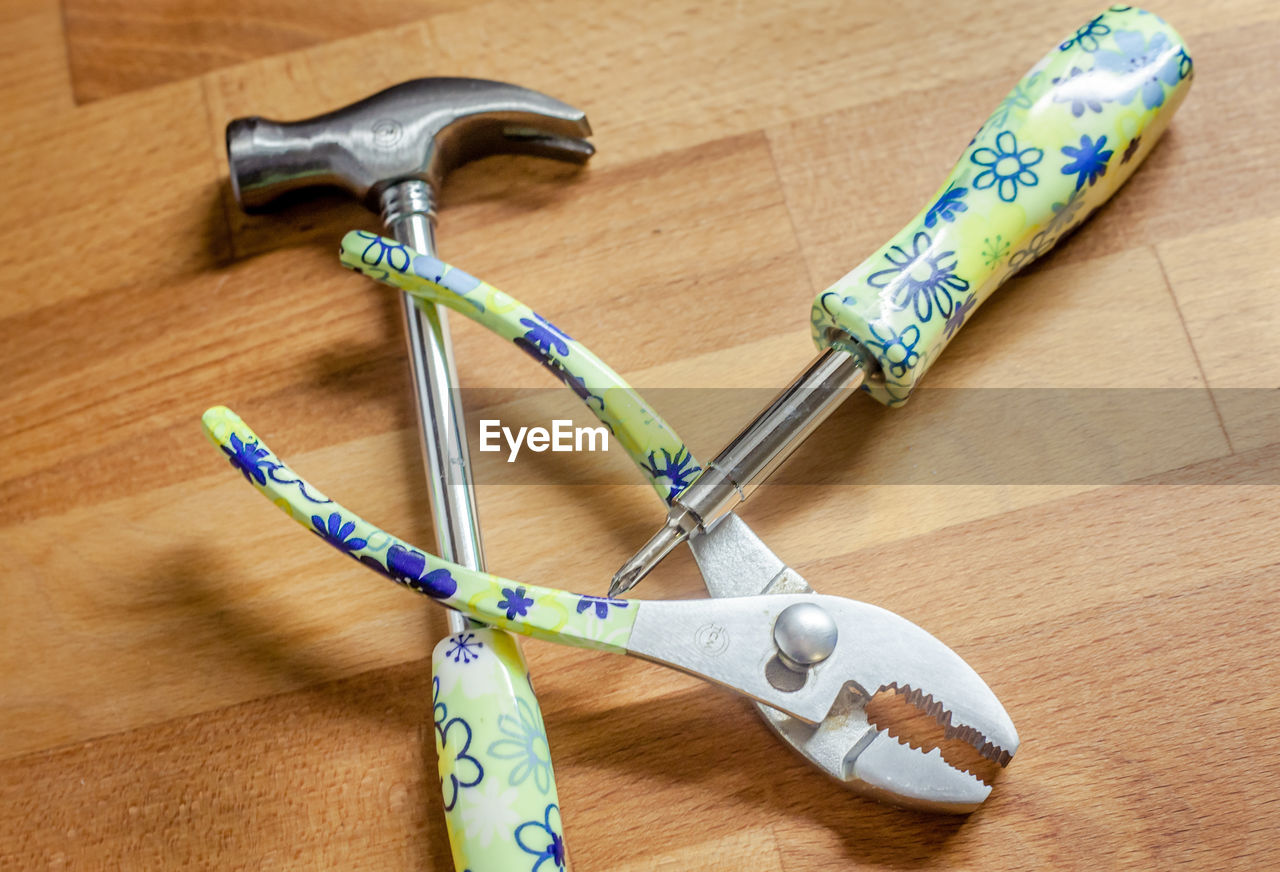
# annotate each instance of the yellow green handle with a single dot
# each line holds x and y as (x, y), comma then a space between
(1057, 147)
(642, 433)
(541, 612)
(500, 801)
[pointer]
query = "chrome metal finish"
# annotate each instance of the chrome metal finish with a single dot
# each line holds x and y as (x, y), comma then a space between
(650, 555)
(392, 150)
(408, 211)
(874, 764)
(735, 562)
(421, 129)
(767, 441)
(805, 635)
(730, 642)
(412, 204)
(751, 457)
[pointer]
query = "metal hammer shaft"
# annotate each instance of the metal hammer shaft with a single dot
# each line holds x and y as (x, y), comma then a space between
(408, 212)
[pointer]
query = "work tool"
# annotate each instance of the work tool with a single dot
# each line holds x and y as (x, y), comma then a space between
(392, 151)
(812, 657)
(848, 747)
(1125, 66)
(1057, 147)
(732, 559)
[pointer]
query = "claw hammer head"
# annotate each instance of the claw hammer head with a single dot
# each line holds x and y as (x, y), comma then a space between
(417, 130)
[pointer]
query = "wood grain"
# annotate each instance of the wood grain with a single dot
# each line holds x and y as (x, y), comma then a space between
(117, 46)
(209, 689)
(33, 60)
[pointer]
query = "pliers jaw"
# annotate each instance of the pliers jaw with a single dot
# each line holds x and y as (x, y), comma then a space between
(888, 653)
(874, 764)
(885, 652)
(734, 642)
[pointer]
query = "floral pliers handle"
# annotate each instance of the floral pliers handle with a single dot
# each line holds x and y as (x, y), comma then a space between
(808, 656)
(648, 439)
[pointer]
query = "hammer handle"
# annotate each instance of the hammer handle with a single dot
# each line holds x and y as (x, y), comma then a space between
(471, 704)
(442, 426)
(1063, 141)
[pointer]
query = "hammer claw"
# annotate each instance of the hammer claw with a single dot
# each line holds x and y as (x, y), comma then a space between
(539, 143)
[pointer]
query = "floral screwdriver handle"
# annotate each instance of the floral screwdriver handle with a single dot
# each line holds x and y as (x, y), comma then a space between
(1057, 147)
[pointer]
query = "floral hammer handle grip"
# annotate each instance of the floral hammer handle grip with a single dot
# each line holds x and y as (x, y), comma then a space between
(500, 802)
(1057, 147)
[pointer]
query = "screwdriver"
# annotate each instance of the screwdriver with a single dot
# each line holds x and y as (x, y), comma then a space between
(1056, 148)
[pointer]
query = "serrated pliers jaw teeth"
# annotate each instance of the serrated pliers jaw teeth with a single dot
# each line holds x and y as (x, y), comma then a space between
(875, 764)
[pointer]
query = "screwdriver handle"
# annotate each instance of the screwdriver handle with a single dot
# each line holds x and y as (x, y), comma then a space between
(1056, 148)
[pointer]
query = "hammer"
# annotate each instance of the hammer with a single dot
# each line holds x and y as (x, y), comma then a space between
(391, 151)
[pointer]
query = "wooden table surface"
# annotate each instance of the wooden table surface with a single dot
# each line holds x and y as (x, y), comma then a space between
(191, 684)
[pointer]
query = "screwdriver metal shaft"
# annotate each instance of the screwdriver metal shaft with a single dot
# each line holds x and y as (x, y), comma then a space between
(753, 455)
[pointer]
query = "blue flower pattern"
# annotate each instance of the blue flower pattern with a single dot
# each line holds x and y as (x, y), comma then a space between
(379, 251)
(526, 743)
(1088, 36)
(277, 474)
(455, 738)
(464, 648)
(1007, 166)
(543, 840)
(1076, 89)
(1135, 53)
(439, 711)
(601, 605)
(546, 336)
(1117, 70)
(337, 533)
(408, 566)
(1088, 161)
(678, 470)
(896, 351)
(250, 459)
(947, 206)
(920, 278)
(515, 602)
(1184, 63)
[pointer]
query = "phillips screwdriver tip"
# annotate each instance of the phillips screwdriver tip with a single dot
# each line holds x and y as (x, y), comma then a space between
(647, 558)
